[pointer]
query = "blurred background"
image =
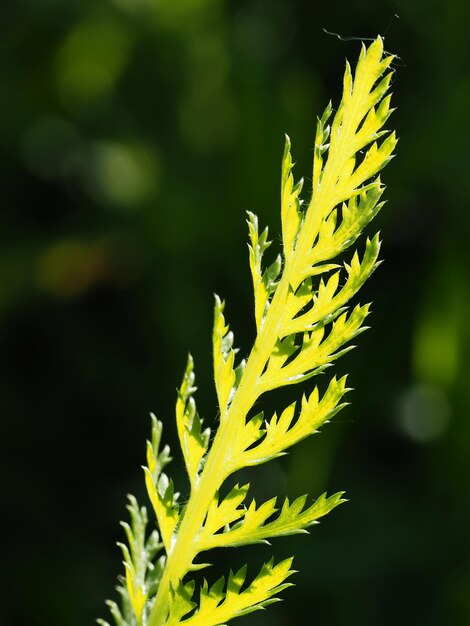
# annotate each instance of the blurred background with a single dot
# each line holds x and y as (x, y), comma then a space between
(134, 135)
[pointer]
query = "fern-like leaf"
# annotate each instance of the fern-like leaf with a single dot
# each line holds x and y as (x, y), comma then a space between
(222, 602)
(304, 322)
(160, 488)
(193, 439)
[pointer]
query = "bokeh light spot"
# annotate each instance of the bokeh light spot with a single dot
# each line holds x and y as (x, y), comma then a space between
(423, 413)
(70, 267)
(122, 175)
(436, 349)
(90, 62)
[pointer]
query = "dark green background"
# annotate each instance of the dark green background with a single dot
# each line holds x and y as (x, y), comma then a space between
(134, 134)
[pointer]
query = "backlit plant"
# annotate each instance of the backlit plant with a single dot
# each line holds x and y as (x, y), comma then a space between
(304, 323)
